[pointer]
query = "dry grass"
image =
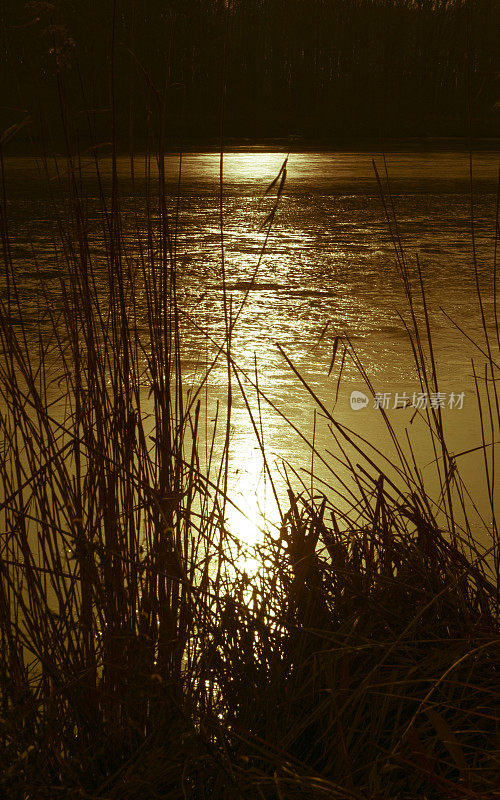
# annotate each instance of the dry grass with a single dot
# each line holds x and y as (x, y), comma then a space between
(136, 660)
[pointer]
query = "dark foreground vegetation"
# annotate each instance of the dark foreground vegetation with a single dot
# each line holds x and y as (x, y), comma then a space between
(137, 658)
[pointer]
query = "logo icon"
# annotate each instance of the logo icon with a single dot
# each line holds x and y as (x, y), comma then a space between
(358, 400)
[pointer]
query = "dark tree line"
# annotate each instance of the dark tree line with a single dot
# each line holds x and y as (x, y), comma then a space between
(318, 68)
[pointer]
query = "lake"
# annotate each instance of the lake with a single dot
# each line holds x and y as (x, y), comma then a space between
(328, 269)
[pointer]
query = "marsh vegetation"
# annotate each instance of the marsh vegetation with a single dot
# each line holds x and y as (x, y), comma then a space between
(145, 652)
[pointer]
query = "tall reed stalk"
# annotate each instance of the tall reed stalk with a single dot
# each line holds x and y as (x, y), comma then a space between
(138, 660)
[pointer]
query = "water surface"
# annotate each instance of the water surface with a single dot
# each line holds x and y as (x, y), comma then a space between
(328, 268)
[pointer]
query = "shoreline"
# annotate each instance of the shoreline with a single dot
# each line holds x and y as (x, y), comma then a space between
(293, 144)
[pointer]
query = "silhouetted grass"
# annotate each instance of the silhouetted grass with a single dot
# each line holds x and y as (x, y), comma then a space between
(320, 69)
(137, 659)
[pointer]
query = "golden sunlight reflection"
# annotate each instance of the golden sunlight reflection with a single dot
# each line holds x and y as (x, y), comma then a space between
(238, 167)
(255, 509)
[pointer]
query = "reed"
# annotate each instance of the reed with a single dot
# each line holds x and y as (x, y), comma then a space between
(342, 68)
(138, 660)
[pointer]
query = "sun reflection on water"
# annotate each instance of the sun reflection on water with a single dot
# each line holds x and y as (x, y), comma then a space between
(255, 510)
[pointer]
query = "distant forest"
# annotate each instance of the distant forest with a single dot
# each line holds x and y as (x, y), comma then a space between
(309, 68)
